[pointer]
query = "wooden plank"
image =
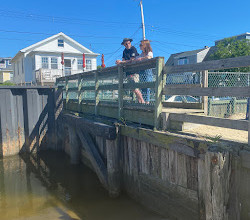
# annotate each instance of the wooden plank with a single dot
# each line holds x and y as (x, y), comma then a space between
(135, 67)
(172, 166)
(94, 156)
(120, 93)
(67, 92)
(192, 173)
(182, 105)
(205, 85)
(96, 93)
(165, 165)
(188, 146)
(144, 158)
(28, 87)
(243, 61)
(181, 170)
(219, 122)
(189, 86)
(141, 117)
(79, 93)
(138, 106)
(158, 93)
(210, 91)
(139, 85)
(99, 143)
(95, 128)
(113, 168)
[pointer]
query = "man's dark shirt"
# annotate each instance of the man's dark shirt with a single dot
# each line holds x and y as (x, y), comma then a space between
(129, 53)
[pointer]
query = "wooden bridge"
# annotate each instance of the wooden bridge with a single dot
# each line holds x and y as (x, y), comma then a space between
(95, 118)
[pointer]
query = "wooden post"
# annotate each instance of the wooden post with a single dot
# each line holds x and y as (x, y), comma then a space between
(79, 94)
(214, 175)
(96, 93)
(164, 83)
(158, 92)
(113, 167)
(120, 92)
(67, 92)
(74, 146)
(204, 85)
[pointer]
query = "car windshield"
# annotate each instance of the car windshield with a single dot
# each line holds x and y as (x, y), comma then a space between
(191, 99)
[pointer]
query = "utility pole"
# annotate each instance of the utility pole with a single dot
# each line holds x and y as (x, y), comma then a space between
(142, 21)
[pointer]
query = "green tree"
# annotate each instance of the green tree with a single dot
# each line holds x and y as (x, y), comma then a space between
(7, 83)
(231, 47)
(99, 67)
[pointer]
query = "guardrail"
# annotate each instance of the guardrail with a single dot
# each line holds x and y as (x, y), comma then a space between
(108, 92)
(209, 91)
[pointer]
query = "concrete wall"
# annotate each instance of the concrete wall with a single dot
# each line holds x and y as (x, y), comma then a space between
(27, 119)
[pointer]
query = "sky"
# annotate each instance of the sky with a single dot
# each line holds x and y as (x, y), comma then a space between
(171, 26)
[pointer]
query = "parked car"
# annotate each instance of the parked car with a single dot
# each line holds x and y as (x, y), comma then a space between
(181, 98)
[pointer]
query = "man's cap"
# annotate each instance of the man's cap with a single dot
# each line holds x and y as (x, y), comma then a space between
(126, 39)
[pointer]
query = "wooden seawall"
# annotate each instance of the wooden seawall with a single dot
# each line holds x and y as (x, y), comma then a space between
(27, 119)
(178, 176)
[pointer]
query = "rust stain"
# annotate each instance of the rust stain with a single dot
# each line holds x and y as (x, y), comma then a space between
(214, 160)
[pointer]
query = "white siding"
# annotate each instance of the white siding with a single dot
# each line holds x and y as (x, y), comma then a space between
(53, 47)
(32, 58)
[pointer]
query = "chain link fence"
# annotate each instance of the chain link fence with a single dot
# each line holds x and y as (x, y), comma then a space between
(225, 107)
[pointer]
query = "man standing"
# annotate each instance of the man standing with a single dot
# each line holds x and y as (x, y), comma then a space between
(129, 52)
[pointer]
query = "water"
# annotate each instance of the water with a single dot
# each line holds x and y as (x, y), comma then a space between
(49, 187)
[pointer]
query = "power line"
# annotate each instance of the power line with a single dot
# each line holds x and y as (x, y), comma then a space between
(122, 46)
(34, 16)
(49, 34)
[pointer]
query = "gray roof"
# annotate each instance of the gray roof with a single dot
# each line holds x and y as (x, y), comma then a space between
(170, 61)
(189, 53)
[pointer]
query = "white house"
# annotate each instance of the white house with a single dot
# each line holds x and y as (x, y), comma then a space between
(41, 62)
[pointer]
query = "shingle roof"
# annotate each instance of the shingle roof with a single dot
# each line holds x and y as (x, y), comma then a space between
(189, 53)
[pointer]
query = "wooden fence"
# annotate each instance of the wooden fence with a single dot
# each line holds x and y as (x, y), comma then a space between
(210, 91)
(113, 80)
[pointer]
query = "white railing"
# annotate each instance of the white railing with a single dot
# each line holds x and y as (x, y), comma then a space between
(50, 75)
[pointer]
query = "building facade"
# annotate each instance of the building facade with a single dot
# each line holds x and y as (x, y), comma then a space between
(6, 71)
(56, 56)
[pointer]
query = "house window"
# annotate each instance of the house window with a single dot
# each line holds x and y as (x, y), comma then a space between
(183, 61)
(60, 43)
(79, 64)
(45, 62)
(88, 65)
(54, 63)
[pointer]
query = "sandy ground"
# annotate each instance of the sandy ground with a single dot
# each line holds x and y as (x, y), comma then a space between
(206, 132)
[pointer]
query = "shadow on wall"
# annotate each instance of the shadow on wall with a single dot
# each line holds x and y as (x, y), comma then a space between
(27, 119)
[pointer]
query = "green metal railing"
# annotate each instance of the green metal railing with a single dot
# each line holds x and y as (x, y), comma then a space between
(109, 92)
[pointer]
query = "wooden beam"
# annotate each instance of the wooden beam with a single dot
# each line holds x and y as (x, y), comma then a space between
(187, 146)
(210, 91)
(243, 61)
(158, 92)
(96, 128)
(139, 85)
(94, 156)
(120, 93)
(219, 122)
(134, 67)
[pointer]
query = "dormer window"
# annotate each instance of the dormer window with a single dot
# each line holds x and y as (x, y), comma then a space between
(183, 61)
(60, 43)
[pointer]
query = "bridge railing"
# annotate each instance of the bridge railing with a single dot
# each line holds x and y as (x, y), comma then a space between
(205, 91)
(113, 91)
